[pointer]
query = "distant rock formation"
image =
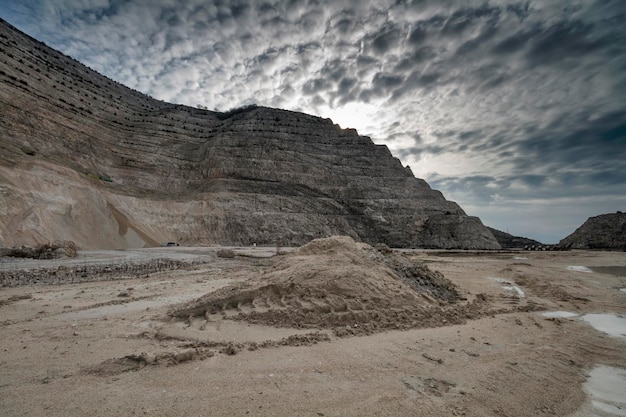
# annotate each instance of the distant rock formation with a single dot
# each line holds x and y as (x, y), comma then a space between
(606, 231)
(508, 241)
(86, 159)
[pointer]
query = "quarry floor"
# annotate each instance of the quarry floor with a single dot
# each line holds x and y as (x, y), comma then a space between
(65, 349)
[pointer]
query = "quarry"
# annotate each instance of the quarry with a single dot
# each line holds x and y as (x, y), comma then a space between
(159, 259)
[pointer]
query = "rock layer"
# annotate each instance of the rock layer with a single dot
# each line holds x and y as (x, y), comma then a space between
(606, 231)
(84, 158)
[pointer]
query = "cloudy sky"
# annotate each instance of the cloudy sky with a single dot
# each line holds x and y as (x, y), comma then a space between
(514, 109)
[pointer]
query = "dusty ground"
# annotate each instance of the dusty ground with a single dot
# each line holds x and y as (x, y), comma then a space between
(110, 348)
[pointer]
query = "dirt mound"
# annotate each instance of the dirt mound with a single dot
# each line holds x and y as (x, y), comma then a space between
(338, 283)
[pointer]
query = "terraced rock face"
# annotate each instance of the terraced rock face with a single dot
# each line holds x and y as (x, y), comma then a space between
(86, 159)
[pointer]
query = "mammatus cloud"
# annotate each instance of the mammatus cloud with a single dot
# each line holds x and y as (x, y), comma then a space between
(512, 107)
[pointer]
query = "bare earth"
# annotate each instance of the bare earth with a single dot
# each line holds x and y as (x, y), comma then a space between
(252, 335)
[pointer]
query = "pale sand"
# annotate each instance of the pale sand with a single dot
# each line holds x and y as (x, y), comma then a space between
(63, 348)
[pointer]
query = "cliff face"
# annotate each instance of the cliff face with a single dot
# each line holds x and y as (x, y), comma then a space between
(606, 231)
(84, 158)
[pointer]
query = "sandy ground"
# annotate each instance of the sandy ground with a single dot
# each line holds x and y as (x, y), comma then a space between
(109, 348)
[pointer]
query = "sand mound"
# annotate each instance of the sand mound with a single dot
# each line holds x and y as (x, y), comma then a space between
(337, 283)
(332, 245)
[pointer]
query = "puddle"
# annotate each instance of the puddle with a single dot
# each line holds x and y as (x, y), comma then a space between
(509, 287)
(579, 268)
(610, 324)
(606, 386)
(520, 258)
(131, 306)
(559, 314)
(618, 271)
(622, 289)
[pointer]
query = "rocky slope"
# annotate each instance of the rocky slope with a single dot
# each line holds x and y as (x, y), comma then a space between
(507, 240)
(606, 231)
(86, 159)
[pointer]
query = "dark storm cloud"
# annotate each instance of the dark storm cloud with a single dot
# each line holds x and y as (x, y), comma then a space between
(381, 86)
(334, 70)
(367, 61)
(461, 21)
(385, 81)
(521, 10)
(568, 39)
(387, 38)
(499, 101)
(411, 60)
(486, 34)
(585, 144)
(514, 43)
(470, 134)
(532, 180)
(315, 86)
(417, 36)
(346, 85)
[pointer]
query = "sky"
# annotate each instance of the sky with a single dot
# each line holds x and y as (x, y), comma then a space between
(514, 109)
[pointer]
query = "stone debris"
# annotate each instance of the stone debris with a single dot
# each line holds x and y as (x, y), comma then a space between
(85, 273)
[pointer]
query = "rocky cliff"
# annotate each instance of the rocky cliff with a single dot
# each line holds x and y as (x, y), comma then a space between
(606, 231)
(84, 158)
